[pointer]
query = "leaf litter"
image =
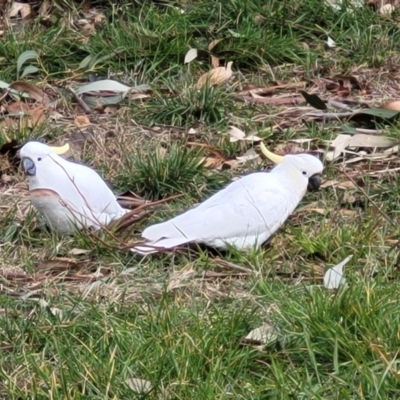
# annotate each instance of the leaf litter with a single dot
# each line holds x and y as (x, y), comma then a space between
(287, 107)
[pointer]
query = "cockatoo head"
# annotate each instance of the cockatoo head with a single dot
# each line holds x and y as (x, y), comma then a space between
(34, 153)
(305, 166)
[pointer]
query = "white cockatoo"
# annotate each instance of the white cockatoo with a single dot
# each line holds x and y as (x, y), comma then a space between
(69, 195)
(244, 214)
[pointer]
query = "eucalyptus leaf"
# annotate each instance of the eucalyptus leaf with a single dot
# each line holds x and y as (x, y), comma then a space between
(30, 69)
(96, 60)
(314, 101)
(378, 112)
(104, 85)
(190, 56)
(4, 85)
(24, 57)
(85, 62)
(94, 101)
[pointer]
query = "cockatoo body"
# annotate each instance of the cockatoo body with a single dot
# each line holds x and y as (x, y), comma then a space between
(67, 194)
(244, 214)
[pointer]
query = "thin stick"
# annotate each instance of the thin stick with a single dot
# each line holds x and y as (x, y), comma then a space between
(85, 107)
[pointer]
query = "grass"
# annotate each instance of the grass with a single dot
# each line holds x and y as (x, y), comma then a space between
(82, 317)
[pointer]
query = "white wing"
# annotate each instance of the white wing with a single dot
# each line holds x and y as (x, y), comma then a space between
(254, 205)
(80, 187)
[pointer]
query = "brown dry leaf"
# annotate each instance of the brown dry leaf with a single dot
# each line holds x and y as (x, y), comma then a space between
(215, 76)
(214, 61)
(29, 118)
(343, 85)
(214, 43)
(37, 116)
(82, 120)
(31, 90)
(393, 105)
(232, 164)
(211, 162)
(17, 107)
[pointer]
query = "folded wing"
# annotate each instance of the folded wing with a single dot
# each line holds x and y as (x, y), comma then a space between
(249, 207)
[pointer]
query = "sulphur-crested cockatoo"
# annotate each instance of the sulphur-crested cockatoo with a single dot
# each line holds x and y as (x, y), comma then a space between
(67, 194)
(244, 214)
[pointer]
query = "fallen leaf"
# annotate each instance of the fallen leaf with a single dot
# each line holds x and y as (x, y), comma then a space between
(82, 120)
(78, 252)
(17, 107)
(31, 90)
(339, 145)
(37, 116)
(139, 385)
(267, 90)
(236, 134)
(340, 185)
(333, 277)
(363, 140)
(386, 9)
(330, 43)
(393, 105)
(190, 56)
(106, 87)
(263, 335)
(215, 76)
(23, 9)
(230, 164)
(214, 43)
(250, 155)
(214, 61)
(313, 100)
(211, 162)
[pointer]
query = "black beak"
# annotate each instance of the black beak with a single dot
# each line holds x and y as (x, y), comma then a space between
(314, 182)
(29, 166)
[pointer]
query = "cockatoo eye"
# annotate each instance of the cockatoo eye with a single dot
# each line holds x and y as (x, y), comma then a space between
(304, 172)
(39, 159)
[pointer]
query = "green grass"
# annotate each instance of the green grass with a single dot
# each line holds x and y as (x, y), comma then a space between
(81, 316)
